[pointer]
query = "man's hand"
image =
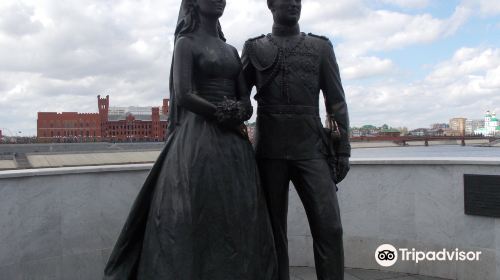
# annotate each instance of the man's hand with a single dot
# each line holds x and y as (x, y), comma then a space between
(342, 166)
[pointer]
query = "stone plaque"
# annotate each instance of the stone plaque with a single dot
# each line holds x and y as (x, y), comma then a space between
(482, 195)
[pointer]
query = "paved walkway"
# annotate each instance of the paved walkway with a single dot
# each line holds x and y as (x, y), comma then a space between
(82, 159)
(307, 273)
(7, 164)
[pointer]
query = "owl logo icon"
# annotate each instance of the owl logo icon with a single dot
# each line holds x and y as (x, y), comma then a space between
(386, 255)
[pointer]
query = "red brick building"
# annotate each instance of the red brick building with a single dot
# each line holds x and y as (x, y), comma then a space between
(114, 124)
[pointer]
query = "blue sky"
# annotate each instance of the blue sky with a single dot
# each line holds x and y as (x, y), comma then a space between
(476, 32)
(403, 62)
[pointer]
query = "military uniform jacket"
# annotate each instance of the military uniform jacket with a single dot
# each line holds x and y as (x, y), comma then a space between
(288, 77)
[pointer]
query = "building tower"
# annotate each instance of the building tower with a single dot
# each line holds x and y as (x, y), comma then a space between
(103, 104)
(487, 119)
(493, 124)
(164, 108)
(155, 122)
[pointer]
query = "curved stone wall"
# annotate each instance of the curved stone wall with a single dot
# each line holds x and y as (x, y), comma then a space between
(409, 203)
(61, 223)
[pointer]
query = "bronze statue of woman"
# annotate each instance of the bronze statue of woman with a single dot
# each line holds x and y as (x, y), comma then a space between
(201, 213)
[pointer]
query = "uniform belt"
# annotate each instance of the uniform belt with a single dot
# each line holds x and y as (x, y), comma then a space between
(288, 109)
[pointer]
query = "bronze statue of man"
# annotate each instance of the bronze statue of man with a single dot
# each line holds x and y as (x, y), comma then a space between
(289, 68)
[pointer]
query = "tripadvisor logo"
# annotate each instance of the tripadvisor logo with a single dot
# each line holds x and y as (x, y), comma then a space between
(387, 255)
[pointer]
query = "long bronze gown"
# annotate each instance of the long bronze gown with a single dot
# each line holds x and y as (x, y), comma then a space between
(201, 213)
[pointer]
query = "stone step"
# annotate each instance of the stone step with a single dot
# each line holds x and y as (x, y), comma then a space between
(22, 161)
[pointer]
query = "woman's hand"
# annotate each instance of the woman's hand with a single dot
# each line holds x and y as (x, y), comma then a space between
(232, 113)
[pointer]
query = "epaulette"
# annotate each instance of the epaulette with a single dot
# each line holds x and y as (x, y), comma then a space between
(255, 38)
(320, 37)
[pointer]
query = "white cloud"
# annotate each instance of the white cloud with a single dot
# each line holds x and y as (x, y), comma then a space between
(378, 30)
(484, 7)
(318, 10)
(466, 85)
(466, 62)
(79, 50)
(245, 19)
(408, 3)
(18, 20)
(58, 55)
(365, 67)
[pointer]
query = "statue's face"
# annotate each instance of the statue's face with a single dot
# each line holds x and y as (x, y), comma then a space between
(211, 8)
(286, 12)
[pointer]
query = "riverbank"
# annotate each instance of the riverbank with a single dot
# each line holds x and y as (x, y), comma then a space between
(386, 144)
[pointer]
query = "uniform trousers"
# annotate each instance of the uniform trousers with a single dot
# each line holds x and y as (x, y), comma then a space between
(316, 190)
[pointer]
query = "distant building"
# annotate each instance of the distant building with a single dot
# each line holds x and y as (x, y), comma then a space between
(437, 126)
(373, 131)
(368, 130)
(115, 124)
(457, 127)
(491, 125)
(419, 132)
(472, 125)
(354, 132)
(437, 131)
(404, 130)
(391, 132)
(68, 127)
